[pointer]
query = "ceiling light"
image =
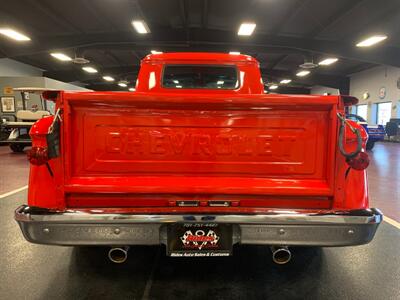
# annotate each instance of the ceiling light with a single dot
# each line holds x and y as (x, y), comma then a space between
(273, 87)
(328, 61)
(178, 86)
(122, 84)
(285, 81)
(372, 41)
(175, 81)
(61, 56)
(108, 78)
(303, 73)
(140, 26)
(220, 82)
(132, 89)
(234, 52)
(12, 34)
(246, 28)
(89, 69)
(155, 52)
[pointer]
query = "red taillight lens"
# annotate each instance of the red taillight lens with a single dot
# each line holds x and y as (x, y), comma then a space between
(359, 162)
(38, 156)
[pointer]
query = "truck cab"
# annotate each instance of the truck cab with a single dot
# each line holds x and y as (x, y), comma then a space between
(198, 159)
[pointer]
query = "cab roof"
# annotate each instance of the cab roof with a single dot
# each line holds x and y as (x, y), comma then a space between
(199, 56)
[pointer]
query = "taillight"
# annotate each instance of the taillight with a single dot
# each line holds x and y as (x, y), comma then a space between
(38, 156)
(359, 162)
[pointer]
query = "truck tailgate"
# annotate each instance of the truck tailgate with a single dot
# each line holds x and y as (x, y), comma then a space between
(133, 143)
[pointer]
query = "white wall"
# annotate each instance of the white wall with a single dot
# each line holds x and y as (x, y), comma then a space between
(371, 81)
(9, 67)
(321, 90)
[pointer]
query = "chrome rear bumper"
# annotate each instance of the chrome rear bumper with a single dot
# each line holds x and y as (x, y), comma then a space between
(338, 228)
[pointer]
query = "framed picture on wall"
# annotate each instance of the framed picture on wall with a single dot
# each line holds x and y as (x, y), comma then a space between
(7, 104)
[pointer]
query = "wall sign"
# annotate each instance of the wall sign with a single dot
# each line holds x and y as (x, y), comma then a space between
(382, 92)
(8, 90)
(7, 104)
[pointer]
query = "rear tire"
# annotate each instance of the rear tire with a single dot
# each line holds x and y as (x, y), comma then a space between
(17, 148)
(370, 145)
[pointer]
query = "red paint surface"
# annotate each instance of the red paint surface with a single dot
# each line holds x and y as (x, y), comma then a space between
(146, 149)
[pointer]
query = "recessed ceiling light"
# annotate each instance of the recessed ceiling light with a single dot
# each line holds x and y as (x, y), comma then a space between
(155, 52)
(273, 87)
(15, 35)
(372, 41)
(132, 89)
(140, 26)
(328, 61)
(285, 81)
(89, 69)
(175, 81)
(234, 52)
(220, 82)
(61, 56)
(303, 73)
(108, 78)
(178, 86)
(246, 28)
(122, 84)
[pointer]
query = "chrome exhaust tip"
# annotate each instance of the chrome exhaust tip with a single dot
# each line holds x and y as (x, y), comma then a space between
(118, 255)
(281, 255)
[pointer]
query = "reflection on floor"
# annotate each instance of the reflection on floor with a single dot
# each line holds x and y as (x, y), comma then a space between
(14, 170)
(384, 179)
(383, 176)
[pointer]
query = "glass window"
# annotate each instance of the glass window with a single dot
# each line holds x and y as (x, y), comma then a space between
(384, 112)
(352, 117)
(398, 109)
(355, 118)
(200, 77)
(362, 111)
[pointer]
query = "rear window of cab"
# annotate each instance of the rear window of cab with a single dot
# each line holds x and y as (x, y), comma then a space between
(200, 77)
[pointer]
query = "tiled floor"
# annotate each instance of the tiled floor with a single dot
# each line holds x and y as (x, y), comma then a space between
(383, 172)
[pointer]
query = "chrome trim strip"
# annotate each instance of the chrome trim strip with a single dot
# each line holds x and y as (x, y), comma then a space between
(192, 203)
(367, 216)
(218, 203)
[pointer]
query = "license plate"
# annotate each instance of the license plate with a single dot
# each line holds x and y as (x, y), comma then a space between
(199, 240)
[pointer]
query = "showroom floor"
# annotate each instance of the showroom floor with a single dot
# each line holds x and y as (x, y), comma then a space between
(371, 271)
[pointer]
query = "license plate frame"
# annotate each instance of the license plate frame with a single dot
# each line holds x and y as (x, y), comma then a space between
(199, 240)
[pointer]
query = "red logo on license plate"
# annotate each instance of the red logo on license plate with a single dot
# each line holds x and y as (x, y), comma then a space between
(199, 239)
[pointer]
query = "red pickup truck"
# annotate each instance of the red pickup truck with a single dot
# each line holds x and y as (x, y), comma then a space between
(198, 158)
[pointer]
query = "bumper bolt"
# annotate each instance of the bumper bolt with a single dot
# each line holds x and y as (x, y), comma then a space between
(281, 231)
(117, 231)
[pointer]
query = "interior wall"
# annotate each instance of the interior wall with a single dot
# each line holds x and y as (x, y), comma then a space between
(21, 82)
(371, 81)
(59, 85)
(39, 82)
(10, 68)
